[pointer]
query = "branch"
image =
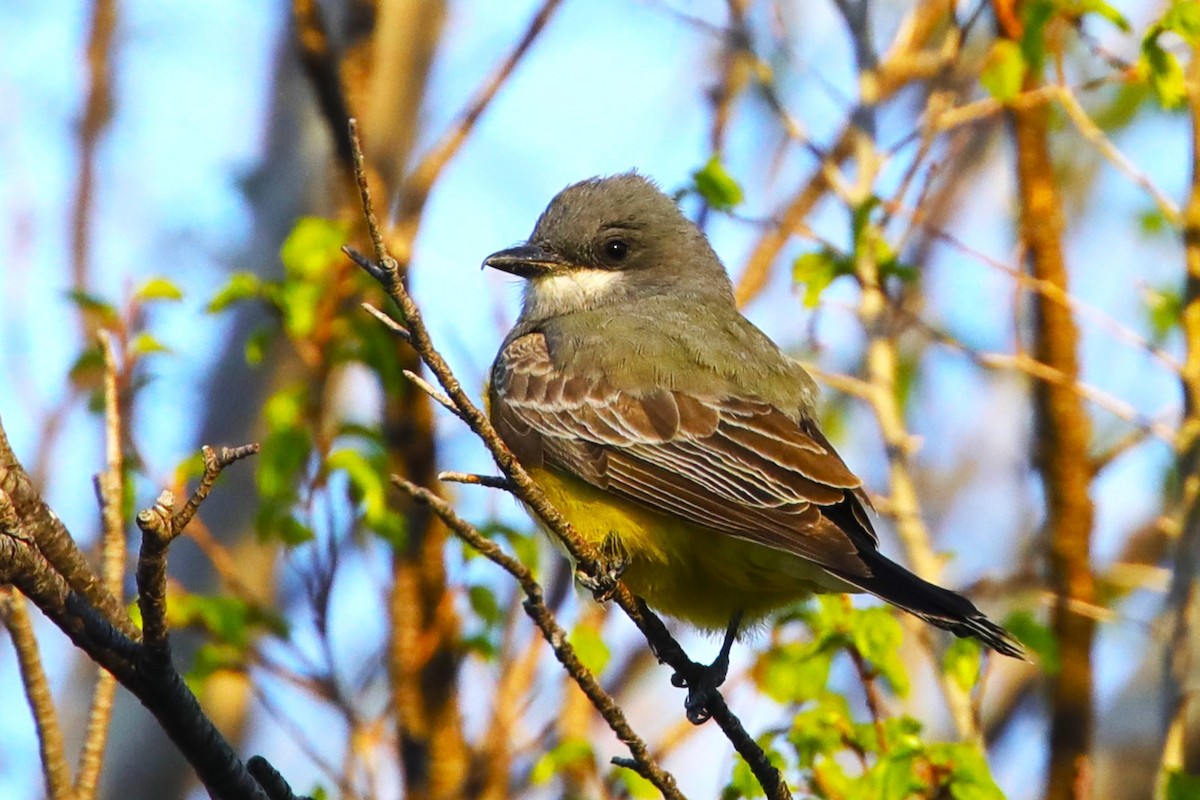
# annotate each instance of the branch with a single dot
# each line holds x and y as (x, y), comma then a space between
(904, 61)
(1062, 437)
(1182, 747)
(554, 634)
(111, 488)
(45, 531)
(144, 669)
(320, 63)
(385, 270)
(416, 189)
(96, 114)
(37, 691)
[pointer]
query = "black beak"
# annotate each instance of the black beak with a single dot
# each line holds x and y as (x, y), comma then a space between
(525, 261)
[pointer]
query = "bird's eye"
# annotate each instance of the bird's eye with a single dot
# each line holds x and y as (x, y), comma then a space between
(615, 250)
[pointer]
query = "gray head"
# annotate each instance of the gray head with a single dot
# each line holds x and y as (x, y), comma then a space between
(607, 241)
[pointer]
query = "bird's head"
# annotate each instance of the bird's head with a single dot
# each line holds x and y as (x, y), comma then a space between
(608, 241)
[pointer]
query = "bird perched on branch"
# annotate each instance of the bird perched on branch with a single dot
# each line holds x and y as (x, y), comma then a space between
(673, 434)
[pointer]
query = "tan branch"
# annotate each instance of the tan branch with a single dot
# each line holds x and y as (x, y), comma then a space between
(96, 114)
(1062, 435)
(554, 634)
(419, 183)
(55, 769)
(111, 483)
(1182, 747)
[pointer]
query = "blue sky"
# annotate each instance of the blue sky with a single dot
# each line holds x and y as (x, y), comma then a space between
(610, 86)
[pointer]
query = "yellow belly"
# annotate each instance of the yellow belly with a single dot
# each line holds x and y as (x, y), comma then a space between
(681, 569)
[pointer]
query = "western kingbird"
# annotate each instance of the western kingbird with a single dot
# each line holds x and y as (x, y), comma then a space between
(672, 433)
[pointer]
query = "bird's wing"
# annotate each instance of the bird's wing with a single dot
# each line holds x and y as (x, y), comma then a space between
(736, 465)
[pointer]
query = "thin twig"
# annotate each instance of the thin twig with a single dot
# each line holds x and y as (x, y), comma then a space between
(96, 115)
(416, 189)
(491, 481)
(1181, 748)
(55, 769)
(389, 323)
(215, 462)
(439, 397)
(112, 564)
(554, 634)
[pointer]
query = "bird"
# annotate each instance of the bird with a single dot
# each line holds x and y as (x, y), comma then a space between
(673, 434)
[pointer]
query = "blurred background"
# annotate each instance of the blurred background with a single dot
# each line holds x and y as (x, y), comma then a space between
(345, 636)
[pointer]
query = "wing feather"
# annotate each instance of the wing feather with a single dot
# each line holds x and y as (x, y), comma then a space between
(736, 465)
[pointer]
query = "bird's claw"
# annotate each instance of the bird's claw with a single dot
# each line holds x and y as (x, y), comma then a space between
(603, 583)
(703, 684)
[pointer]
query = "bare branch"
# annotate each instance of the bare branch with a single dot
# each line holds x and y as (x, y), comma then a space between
(112, 564)
(419, 183)
(1062, 438)
(491, 481)
(37, 691)
(1181, 750)
(389, 323)
(554, 634)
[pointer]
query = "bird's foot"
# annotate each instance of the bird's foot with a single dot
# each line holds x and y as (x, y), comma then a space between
(704, 682)
(603, 582)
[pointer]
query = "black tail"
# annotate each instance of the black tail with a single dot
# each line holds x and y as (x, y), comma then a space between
(937, 606)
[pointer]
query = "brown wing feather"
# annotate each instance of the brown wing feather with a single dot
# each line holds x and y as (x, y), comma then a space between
(735, 465)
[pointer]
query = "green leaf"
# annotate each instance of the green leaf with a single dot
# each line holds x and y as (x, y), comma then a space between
(480, 644)
(1165, 311)
(299, 301)
(742, 783)
(368, 484)
(634, 785)
(1182, 786)
(144, 344)
(907, 374)
(1037, 638)
(1003, 70)
(877, 635)
(893, 777)
(794, 673)
(961, 663)
(312, 247)
(484, 604)
(1183, 18)
(1035, 14)
(969, 778)
(292, 532)
(257, 343)
(903, 734)
(1103, 10)
(89, 364)
(211, 658)
(569, 753)
(717, 186)
(814, 271)
(158, 288)
(1153, 221)
(1163, 71)
(590, 647)
(818, 730)
(241, 286)
(94, 305)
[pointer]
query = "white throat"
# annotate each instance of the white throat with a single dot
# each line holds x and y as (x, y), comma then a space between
(567, 291)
